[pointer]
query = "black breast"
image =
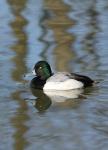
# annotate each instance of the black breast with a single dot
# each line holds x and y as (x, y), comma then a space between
(37, 83)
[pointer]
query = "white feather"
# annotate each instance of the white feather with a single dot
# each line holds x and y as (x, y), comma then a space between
(68, 84)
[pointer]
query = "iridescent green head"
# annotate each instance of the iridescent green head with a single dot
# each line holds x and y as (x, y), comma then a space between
(42, 70)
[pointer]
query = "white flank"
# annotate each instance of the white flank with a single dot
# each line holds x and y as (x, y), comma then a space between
(68, 84)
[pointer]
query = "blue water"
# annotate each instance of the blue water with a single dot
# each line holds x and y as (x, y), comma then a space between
(71, 36)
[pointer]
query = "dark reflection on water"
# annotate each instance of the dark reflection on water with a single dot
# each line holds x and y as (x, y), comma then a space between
(85, 31)
(89, 41)
(18, 122)
(20, 48)
(44, 33)
(42, 101)
(55, 19)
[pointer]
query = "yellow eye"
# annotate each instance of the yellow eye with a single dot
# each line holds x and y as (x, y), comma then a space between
(40, 67)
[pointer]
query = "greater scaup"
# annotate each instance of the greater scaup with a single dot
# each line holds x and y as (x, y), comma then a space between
(46, 80)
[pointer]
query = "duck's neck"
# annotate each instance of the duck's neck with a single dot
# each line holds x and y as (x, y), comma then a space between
(46, 74)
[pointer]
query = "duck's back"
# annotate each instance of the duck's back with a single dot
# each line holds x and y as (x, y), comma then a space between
(59, 77)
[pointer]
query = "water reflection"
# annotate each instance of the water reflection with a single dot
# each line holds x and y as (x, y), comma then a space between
(42, 101)
(84, 124)
(59, 23)
(20, 49)
(43, 37)
(61, 96)
(90, 40)
(45, 99)
(18, 122)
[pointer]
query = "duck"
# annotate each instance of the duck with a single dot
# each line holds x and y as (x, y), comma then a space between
(46, 80)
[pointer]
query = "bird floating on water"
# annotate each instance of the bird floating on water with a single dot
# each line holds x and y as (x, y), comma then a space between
(47, 80)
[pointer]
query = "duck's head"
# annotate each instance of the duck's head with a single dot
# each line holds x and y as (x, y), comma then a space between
(42, 70)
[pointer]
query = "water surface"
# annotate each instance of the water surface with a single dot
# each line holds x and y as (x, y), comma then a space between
(71, 36)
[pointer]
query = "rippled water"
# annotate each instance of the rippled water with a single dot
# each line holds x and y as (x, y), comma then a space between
(72, 35)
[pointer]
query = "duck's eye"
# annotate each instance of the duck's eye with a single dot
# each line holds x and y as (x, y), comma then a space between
(40, 67)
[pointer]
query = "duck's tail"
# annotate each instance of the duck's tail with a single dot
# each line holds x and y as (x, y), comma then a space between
(96, 82)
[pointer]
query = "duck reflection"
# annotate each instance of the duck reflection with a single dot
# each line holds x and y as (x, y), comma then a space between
(62, 96)
(45, 99)
(42, 101)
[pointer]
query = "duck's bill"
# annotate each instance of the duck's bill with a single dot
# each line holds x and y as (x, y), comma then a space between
(31, 74)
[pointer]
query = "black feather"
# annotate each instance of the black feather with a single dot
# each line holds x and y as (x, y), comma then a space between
(84, 79)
